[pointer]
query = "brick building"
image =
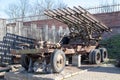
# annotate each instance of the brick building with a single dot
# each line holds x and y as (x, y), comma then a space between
(50, 29)
(111, 20)
(47, 29)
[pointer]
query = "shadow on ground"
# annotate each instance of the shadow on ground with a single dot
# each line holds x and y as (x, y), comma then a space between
(114, 70)
(104, 69)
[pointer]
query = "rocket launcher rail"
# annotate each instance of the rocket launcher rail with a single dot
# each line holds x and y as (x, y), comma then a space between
(80, 22)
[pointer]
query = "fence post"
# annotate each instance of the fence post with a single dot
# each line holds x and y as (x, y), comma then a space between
(53, 33)
(18, 28)
(40, 33)
(34, 30)
(67, 30)
(60, 32)
(2, 28)
(46, 32)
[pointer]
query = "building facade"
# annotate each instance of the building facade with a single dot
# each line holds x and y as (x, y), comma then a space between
(52, 30)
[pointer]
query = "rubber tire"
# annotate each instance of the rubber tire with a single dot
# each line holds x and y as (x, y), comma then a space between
(25, 61)
(54, 59)
(93, 56)
(96, 52)
(104, 54)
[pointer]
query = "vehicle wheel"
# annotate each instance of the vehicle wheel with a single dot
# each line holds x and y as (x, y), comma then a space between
(58, 60)
(95, 56)
(104, 54)
(25, 61)
(91, 57)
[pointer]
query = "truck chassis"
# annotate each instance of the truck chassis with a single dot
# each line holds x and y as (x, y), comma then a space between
(83, 39)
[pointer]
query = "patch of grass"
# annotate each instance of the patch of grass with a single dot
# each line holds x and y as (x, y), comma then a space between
(110, 61)
(113, 46)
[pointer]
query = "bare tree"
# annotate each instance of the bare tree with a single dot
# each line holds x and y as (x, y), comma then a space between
(48, 4)
(60, 4)
(42, 5)
(18, 10)
(37, 7)
(12, 11)
(23, 8)
(106, 6)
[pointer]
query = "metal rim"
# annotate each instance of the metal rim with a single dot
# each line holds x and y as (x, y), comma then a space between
(60, 61)
(98, 56)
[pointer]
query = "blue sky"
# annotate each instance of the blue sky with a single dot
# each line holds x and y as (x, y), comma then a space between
(70, 3)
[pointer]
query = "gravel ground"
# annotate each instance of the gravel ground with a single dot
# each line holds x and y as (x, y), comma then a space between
(104, 72)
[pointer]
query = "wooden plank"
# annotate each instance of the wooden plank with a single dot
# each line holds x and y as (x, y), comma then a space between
(31, 51)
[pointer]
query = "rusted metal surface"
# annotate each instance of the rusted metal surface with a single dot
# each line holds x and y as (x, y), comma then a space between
(30, 51)
(81, 23)
(85, 32)
(84, 36)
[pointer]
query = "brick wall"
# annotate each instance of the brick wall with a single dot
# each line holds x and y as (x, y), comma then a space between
(111, 20)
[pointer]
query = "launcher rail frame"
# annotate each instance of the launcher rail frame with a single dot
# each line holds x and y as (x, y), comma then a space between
(80, 23)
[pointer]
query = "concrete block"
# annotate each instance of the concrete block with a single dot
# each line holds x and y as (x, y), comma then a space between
(76, 60)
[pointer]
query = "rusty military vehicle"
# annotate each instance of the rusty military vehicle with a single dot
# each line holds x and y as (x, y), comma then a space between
(83, 39)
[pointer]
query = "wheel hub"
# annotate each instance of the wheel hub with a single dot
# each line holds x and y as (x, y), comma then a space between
(60, 61)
